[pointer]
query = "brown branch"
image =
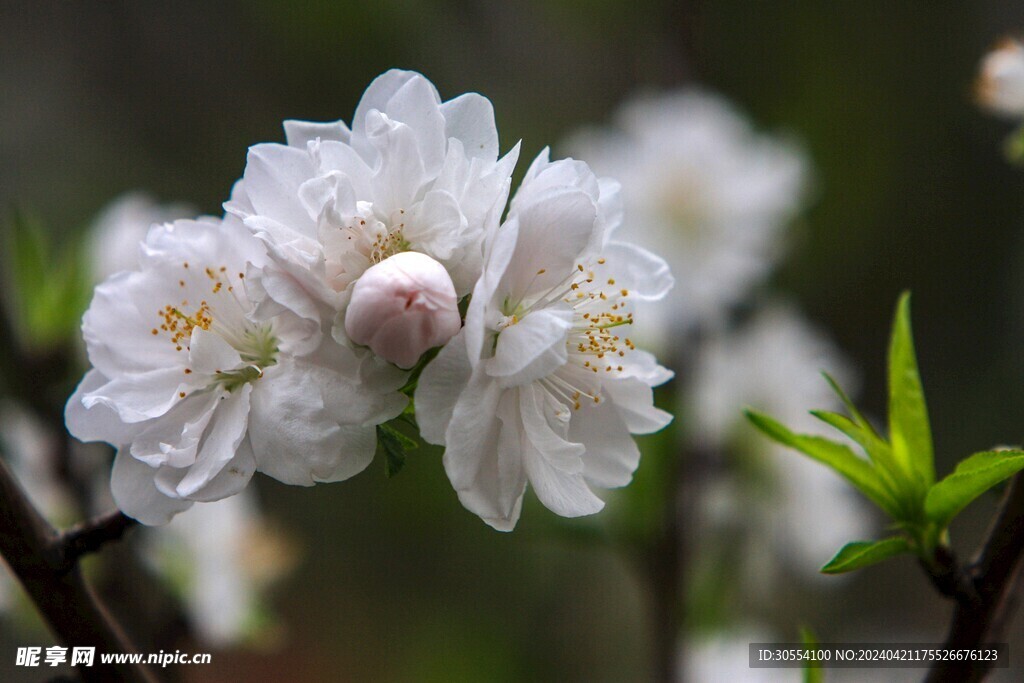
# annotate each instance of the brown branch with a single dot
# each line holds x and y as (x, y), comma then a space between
(38, 555)
(89, 536)
(982, 609)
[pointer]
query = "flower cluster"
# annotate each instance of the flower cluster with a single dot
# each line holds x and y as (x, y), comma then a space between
(278, 337)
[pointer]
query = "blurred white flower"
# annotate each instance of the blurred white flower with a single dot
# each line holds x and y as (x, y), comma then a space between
(201, 378)
(705, 191)
(220, 558)
(539, 386)
(1000, 84)
(773, 364)
(725, 658)
(413, 174)
(403, 306)
(118, 231)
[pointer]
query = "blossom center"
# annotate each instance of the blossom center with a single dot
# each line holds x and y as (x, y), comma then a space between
(595, 348)
(225, 313)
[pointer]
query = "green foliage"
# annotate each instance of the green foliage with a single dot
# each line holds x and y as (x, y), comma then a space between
(864, 554)
(909, 432)
(812, 671)
(898, 474)
(972, 477)
(854, 469)
(46, 291)
(395, 445)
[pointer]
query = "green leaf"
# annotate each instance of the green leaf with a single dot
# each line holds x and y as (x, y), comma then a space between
(909, 431)
(813, 673)
(876, 448)
(864, 554)
(395, 445)
(970, 479)
(855, 470)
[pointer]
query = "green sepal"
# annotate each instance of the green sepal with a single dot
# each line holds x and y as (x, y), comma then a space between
(395, 445)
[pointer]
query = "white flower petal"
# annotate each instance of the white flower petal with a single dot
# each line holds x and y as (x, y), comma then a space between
(439, 388)
(98, 423)
(612, 456)
(376, 97)
(299, 133)
(140, 396)
(554, 230)
(634, 401)
(209, 354)
(532, 348)
(645, 275)
(401, 174)
(273, 174)
(417, 105)
(220, 441)
(174, 438)
(296, 435)
(483, 462)
(563, 493)
(131, 483)
(232, 478)
(554, 449)
(470, 119)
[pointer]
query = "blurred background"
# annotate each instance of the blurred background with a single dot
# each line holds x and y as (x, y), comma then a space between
(905, 187)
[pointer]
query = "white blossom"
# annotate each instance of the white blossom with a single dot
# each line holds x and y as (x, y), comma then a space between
(119, 229)
(543, 384)
(702, 189)
(403, 306)
(774, 365)
(1000, 84)
(724, 658)
(209, 364)
(220, 557)
(412, 174)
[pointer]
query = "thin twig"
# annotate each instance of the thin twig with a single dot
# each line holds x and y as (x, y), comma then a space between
(90, 536)
(32, 549)
(980, 612)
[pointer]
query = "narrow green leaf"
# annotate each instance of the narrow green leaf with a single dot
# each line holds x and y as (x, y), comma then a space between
(909, 431)
(857, 416)
(876, 448)
(855, 470)
(970, 479)
(861, 554)
(395, 445)
(812, 671)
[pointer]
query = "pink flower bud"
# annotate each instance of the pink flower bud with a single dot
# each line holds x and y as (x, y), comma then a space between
(403, 306)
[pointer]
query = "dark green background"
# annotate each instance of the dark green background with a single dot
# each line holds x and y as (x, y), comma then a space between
(398, 582)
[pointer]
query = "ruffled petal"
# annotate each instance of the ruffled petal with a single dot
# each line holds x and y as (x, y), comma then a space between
(532, 348)
(612, 456)
(644, 274)
(131, 483)
(634, 402)
(481, 460)
(220, 441)
(469, 118)
(273, 175)
(100, 422)
(299, 133)
(439, 388)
